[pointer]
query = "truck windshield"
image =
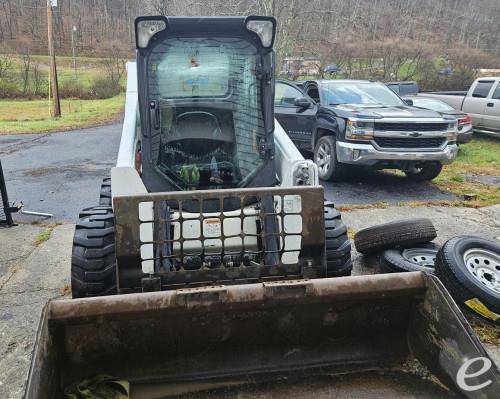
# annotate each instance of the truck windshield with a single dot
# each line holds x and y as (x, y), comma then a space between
(368, 93)
(210, 116)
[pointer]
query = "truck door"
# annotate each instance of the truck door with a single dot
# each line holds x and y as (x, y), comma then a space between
(297, 120)
(491, 118)
(475, 102)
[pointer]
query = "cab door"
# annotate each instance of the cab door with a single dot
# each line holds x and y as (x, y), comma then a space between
(475, 104)
(491, 118)
(297, 121)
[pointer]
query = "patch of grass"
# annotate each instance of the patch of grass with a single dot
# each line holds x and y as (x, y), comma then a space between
(44, 235)
(33, 116)
(353, 207)
(351, 233)
(65, 290)
(480, 157)
(488, 334)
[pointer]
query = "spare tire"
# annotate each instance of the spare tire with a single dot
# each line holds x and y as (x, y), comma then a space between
(401, 233)
(469, 267)
(421, 258)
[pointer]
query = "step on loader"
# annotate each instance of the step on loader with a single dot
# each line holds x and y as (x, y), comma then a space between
(213, 266)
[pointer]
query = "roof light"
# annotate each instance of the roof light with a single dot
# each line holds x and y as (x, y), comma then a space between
(264, 27)
(147, 28)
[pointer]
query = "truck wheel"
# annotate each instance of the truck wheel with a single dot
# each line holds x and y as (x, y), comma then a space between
(337, 244)
(325, 156)
(469, 267)
(404, 233)
(93, 262)
(421, 257)
(424, 172)
(105, 195)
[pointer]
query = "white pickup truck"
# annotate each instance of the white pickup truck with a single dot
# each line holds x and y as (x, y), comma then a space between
(481, 102)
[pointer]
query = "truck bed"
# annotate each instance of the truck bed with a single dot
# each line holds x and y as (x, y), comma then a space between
(453, 98)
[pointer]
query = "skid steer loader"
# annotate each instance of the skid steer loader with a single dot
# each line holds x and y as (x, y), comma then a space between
(208, 187)
(218, 214)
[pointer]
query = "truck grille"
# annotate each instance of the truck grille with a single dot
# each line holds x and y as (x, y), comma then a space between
(392, 142)
(410, 126)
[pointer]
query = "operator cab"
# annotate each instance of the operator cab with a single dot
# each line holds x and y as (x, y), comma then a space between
(206, 102)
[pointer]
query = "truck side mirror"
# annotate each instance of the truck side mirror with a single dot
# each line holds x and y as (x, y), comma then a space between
(302, 103)
(409, 102)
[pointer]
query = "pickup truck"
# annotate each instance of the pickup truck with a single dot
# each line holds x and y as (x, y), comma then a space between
(359, 122)
(481, 102)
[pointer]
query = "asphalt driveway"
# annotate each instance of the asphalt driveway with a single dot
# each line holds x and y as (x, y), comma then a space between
(60, 173)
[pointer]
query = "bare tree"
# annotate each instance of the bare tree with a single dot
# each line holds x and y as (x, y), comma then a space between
(5, 66)
(25, 71)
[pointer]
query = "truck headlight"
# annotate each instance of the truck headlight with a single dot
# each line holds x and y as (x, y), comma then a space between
(359, 130)
(452, 130)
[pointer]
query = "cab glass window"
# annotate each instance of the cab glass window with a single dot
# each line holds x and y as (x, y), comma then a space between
(496, 93)
(482, 89)
(285, 95)
(313, 93)
(210, 113)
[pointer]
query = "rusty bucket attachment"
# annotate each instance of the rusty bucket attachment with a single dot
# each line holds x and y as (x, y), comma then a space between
(231, 338)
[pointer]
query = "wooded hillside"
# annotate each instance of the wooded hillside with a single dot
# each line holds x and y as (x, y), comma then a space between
(444, 23)
(384, 39)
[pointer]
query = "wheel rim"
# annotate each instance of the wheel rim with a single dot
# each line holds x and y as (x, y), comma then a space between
(323, 158)
(414, 170)
(484, 266)
(425, 257)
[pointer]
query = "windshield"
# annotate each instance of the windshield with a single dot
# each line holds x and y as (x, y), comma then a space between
(210, 116)
(359, 93)
(435, 105)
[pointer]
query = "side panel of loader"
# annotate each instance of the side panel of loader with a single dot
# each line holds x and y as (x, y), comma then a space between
(198, 339)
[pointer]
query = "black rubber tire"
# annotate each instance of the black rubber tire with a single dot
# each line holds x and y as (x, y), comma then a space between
(337, 244)
(336, 170)
(93, 261)
(428, 171)
(105, 195)
(393, 261)
(462, 286)
(388, 235)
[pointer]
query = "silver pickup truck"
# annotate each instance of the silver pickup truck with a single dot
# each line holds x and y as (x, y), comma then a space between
(481, 102)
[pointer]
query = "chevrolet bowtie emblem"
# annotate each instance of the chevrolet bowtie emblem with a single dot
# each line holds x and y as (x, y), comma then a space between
(415, 134)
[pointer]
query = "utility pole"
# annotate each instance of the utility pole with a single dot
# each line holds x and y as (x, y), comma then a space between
(55, 110)
(73, 30)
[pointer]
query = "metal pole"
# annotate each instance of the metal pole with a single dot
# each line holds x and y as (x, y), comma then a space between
(56, 106)
(5, 199)
(46, 215)
(73, 49)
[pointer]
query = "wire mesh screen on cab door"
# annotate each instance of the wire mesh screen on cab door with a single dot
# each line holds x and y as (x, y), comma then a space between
(277, 235)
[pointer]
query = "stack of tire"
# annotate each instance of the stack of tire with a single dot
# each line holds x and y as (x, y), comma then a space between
(468, 266)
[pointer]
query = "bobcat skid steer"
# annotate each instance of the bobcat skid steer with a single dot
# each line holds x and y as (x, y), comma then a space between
(208, 187)
(214, 234)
